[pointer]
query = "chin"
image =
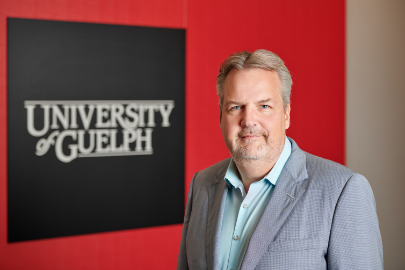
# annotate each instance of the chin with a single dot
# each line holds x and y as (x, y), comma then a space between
(250, 153)
(255, 153)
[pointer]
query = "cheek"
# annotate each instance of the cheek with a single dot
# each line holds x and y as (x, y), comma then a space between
(229, 128)
(274, 125)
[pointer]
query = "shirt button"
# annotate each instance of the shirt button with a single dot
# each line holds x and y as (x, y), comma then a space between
(236, 238)
(245, 206)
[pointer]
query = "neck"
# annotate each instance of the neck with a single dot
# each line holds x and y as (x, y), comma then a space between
(251, 171)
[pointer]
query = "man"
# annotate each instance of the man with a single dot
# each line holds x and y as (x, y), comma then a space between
(272, 205)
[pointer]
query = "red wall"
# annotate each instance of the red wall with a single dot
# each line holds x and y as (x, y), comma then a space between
(307, 35)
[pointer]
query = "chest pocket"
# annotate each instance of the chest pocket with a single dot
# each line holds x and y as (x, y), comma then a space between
(293, 245)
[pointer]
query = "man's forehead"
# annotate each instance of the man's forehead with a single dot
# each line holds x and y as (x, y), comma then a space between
(248, 78)
(257, 85)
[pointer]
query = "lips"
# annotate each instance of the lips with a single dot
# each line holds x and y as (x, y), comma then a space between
(247, 137)
(250, 134)
(250, 137)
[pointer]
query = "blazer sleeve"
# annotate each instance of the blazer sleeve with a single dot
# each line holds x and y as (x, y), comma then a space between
(355, 239)
(182, 260)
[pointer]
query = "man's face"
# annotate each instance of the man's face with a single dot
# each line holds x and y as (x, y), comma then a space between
(253, 120)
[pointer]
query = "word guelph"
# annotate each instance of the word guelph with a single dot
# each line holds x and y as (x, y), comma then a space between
(103, 139)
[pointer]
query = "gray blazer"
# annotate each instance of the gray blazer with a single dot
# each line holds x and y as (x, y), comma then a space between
(321, 215)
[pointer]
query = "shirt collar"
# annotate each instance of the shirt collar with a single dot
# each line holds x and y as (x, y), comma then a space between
(232, 178)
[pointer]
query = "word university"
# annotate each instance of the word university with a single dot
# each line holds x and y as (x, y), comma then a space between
(103, 126)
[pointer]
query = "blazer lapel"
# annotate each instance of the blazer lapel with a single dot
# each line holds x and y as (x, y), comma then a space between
(286, 194)
(217, 194)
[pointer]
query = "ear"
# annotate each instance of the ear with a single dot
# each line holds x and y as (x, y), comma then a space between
(220, 115)
(287, 116)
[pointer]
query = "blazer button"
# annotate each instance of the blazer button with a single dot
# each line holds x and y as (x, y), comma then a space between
(236, 237)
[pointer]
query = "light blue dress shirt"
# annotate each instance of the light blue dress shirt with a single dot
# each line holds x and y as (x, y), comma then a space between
(243, 211)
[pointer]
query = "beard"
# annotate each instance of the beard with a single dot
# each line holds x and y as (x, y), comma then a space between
(249, 151)
(258, 151)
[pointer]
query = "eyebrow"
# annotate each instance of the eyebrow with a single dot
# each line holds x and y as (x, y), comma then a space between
(232, 102)
(265, 100)
(239, 103)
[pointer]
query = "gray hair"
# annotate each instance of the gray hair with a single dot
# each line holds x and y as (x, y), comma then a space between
(259, 59)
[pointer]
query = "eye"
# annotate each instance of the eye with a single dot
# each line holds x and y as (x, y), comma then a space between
(265, 106)
(235, 107)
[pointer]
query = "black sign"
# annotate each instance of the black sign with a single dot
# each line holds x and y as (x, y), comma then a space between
(95, 128)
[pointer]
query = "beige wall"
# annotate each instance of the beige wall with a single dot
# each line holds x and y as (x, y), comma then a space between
(375, 119)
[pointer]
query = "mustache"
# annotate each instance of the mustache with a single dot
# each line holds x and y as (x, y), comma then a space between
(251, 131)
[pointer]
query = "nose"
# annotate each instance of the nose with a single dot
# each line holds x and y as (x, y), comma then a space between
(249, 117)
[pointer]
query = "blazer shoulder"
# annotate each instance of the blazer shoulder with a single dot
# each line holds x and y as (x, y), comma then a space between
(333, 178)
(212, 174)
(328, 172)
